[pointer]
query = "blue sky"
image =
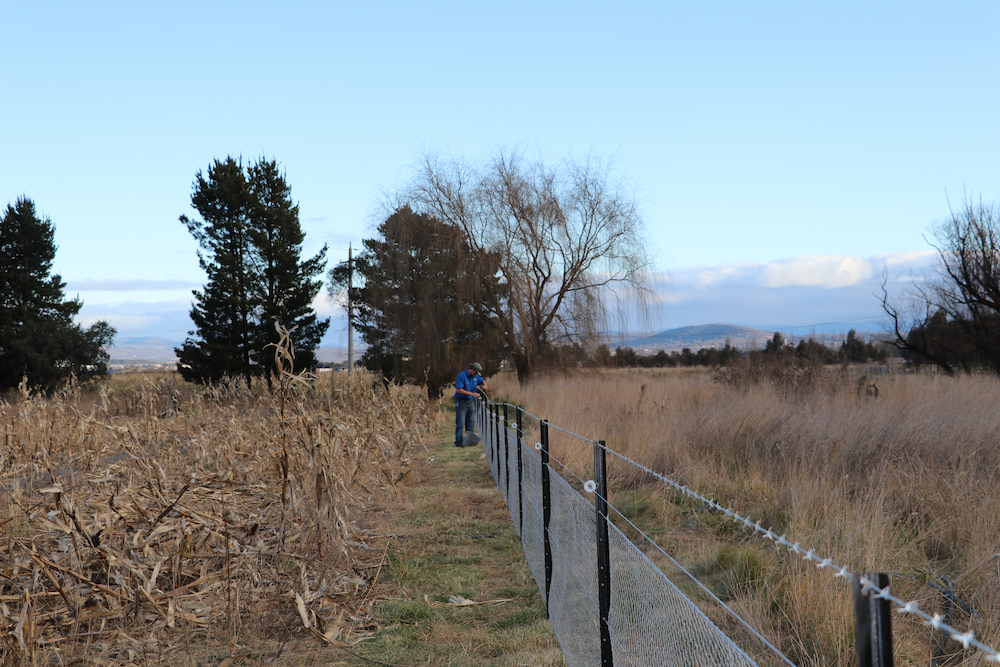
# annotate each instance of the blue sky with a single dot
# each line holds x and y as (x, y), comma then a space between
(782, 153)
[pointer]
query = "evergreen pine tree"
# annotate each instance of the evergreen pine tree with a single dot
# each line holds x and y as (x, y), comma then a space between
(420, 308)
(223, 312)
(251, 243)
(287, 285)
(38, 338)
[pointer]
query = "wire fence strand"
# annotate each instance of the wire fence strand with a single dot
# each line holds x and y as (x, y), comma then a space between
(936, 622)
(575, 585)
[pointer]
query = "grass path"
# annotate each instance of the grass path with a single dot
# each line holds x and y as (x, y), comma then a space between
(454, 538)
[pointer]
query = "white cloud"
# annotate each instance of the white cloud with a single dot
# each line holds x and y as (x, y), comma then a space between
(725, 273)
(704, 277)
(325, 307)
(817, 271)
(832, 272)
(925, 258)
(834, 292)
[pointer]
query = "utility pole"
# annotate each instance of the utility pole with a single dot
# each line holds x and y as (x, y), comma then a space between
(350, 311)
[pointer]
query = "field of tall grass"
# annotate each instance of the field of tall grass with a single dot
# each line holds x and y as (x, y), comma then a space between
(904, 483)
(150, 521)
(153, 522)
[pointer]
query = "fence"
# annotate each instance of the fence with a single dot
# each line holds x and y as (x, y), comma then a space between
(608, 603)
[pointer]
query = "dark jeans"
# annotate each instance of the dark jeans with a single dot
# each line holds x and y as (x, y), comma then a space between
(465, 416)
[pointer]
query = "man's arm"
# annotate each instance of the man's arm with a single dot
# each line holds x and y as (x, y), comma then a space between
(462, 382)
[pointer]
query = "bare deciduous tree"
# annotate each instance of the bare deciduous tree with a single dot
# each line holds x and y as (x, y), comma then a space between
(959, 325)
(570, 240)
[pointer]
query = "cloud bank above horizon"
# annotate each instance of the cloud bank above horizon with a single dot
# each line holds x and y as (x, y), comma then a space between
(798, 295)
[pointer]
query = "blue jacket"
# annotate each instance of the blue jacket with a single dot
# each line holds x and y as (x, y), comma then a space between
(468, 383)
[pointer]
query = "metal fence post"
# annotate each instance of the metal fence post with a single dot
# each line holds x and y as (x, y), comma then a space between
(603, 552)
(872, 623)
(520, 470)
(493, 441)
(488, 429)
(546, 512)
(483, 423)
(496, 432)
(506, 456)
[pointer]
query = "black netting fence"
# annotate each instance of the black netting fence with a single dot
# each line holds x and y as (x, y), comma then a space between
(644, 618)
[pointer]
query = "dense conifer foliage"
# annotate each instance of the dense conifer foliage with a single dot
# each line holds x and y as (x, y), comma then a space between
(39, 341)
(420, 303)
(251, 247)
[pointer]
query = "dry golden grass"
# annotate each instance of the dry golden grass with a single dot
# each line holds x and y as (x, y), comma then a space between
(154, 522)
(905, 483)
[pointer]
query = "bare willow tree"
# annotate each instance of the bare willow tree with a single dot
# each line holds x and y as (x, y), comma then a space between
(569, 237)
(959, 322)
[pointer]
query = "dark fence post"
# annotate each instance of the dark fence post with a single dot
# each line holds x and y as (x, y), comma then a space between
(496, 432)
(481, 422)
(603, 552)
(872, 623)
(506, 456)
(546, 512)
(520, 474)
(488, 432)
(493, 441)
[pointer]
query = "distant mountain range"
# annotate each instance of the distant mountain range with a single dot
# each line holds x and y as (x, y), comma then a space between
(150, 350)
(698, 337)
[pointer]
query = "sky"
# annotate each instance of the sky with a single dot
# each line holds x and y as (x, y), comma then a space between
(784, 155)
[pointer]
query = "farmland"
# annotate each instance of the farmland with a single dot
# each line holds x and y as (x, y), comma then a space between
(903, 483)
(153, 522)
(149, 521)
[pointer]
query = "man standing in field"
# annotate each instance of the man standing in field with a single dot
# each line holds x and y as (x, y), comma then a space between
(465, 400)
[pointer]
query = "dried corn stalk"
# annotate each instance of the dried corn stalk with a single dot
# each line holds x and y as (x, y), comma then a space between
(159, 517)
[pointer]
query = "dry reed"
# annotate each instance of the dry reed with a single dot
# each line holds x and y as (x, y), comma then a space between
(903, 483)
(159, 521)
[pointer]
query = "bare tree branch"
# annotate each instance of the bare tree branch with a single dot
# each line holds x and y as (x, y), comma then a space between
(960, 324)
(566, 236)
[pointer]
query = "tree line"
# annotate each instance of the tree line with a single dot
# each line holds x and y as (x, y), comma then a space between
(542, 256)
(807, 351)
(528, 261)
(250, 244)
(512, 259)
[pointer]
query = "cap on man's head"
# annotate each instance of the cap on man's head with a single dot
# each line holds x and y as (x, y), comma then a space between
(479, 369)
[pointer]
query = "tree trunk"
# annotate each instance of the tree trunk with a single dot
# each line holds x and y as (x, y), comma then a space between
(523, 366)
(434, 391)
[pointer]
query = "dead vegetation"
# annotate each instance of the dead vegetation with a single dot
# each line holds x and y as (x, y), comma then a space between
(904, 484)
(157, 522)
